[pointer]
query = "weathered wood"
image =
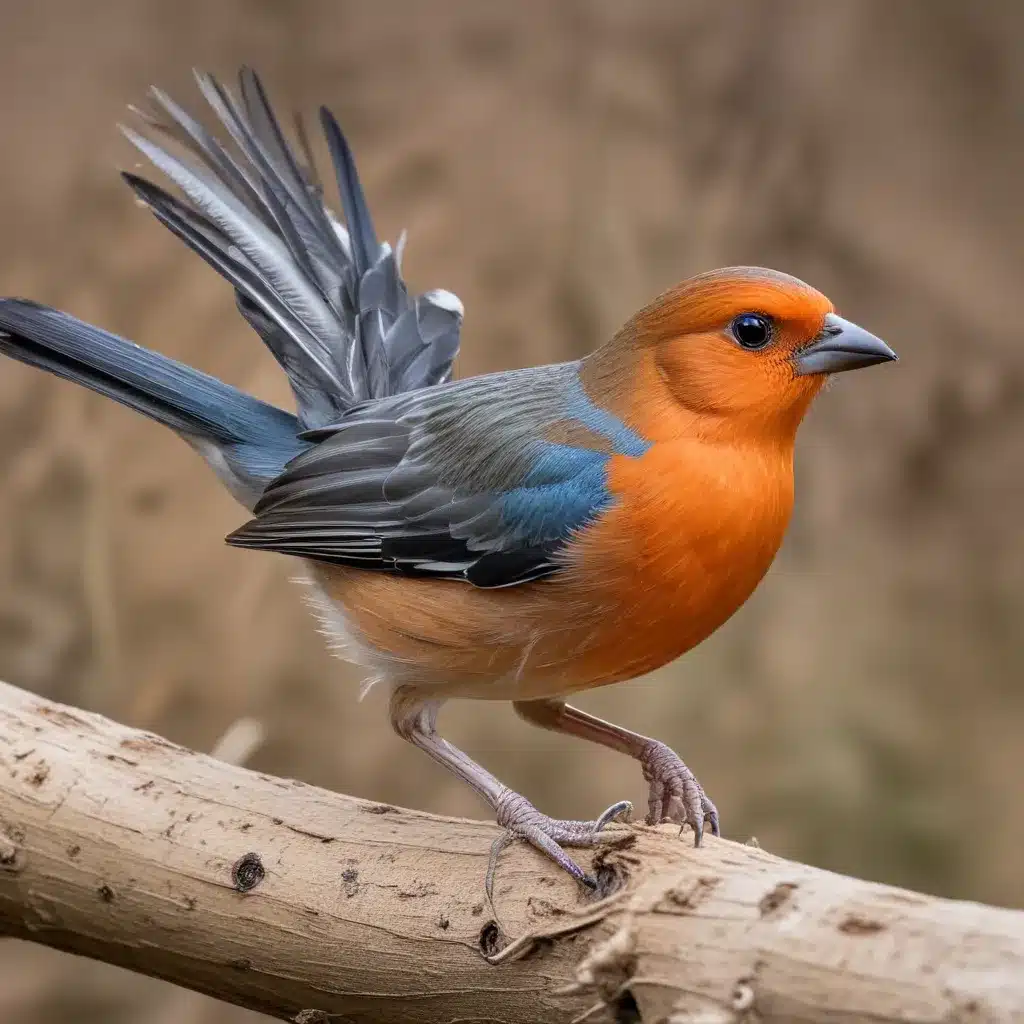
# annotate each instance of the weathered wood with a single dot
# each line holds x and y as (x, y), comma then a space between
(279, 896)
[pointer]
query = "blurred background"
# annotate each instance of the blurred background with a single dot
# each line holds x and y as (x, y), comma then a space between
(558, 164)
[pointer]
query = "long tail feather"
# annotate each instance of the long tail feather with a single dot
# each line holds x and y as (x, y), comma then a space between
(329, 302)
(365, 246)
(246, 441)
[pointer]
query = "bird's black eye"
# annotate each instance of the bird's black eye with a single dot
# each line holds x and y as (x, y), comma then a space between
(752, 330)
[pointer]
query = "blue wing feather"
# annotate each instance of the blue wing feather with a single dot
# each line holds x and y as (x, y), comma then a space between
(563, 492)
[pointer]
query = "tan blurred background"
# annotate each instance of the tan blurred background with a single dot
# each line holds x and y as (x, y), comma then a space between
(557, 164)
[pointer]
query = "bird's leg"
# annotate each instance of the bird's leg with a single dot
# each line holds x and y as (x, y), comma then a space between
(675, 794)
(414, 718)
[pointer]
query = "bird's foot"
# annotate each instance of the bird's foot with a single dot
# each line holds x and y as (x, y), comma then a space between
(675, 794)
(522, 820)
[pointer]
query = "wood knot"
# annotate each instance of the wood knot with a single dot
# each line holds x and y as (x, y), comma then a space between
(11, 857)
(610, 872)
(625, 1009)
(350, 881)
(743, 997)
(858, 924)
(247, 872)
(491, 940)
(772, 902)
(690, 897)
(39, 775)
(12, 849)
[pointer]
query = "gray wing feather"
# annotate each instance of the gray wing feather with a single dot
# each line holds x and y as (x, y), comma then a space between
(423, 344)
(318, 246)
(283, 333)
(329, 301)
(415, 483)
(365, 246)
(263, 250)
(187, 131)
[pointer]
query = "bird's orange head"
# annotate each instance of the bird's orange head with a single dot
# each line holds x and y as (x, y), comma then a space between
(737, 352)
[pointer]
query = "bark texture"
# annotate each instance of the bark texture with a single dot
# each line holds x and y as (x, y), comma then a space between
(278, 896)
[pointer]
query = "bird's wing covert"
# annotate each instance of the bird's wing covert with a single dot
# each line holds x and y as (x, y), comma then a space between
(462, 481)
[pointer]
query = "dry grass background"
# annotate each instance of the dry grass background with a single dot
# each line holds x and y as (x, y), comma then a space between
(557, 164)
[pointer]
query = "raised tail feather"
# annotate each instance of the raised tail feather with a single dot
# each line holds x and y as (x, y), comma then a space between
(329, 302)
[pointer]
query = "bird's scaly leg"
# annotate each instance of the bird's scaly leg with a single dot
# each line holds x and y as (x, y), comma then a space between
(675, 794)
(414, 718)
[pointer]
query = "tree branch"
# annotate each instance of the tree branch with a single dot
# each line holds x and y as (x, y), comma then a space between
(281, 897)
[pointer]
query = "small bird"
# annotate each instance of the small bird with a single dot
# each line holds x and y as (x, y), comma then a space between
(516, 536)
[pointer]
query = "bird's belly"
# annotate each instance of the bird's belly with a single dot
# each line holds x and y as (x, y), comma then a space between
(504, 644)
(642, 586)
(667, 614)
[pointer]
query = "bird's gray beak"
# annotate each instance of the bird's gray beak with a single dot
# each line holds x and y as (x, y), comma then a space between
(841, 345)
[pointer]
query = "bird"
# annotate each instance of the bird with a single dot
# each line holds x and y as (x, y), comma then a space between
(520, 536)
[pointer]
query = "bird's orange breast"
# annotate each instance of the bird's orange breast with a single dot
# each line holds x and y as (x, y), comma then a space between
(693, 530)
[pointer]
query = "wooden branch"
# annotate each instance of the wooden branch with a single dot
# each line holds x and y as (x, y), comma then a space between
(278, 896)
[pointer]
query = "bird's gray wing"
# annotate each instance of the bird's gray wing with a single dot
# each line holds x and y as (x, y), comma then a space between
(461, 481)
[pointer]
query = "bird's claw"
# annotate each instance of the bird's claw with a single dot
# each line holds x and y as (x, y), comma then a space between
(622, 811)
(522, 820)
(675, 794)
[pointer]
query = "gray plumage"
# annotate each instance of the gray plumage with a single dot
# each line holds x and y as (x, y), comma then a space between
(417, 483)
(329, 303)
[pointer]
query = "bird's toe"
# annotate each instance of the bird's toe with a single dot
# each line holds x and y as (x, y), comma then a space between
(675, 794)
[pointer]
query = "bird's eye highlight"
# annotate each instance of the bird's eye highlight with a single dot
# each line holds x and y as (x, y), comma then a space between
(752, 330)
